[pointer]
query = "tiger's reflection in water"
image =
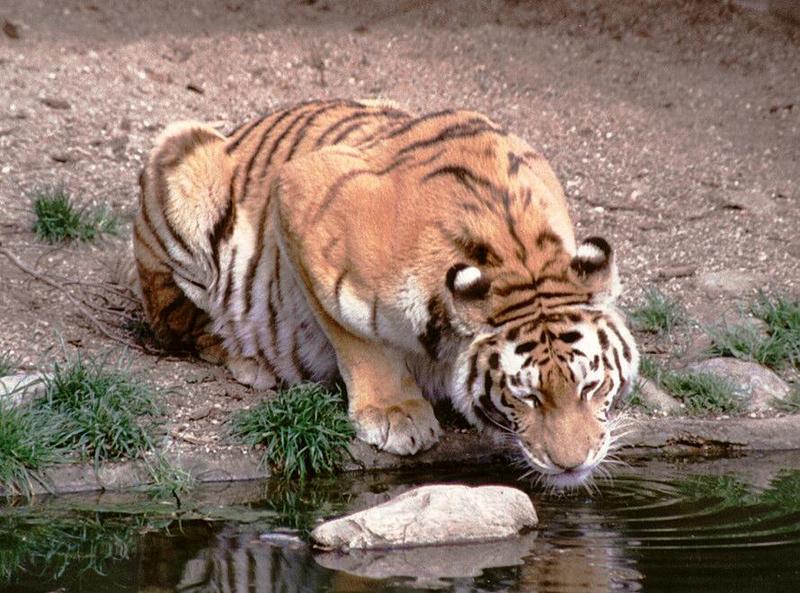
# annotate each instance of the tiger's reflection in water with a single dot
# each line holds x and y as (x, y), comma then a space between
(241, 563)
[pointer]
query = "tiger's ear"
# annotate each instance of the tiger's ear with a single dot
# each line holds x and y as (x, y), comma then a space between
(594, 268)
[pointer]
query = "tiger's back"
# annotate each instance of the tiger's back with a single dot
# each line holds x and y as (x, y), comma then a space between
(209, 270)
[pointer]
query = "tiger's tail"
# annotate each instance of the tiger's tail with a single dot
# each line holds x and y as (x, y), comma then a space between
(185, 209)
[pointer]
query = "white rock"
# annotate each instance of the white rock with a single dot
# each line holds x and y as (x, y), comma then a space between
(655, 397)
(432, 515)
(756, 385)
(21, 388)
(728, 282)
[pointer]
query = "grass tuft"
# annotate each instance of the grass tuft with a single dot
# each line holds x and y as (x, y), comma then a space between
(776, 347)
(657, 313)
(7, 364)
(782, 316)
(58, 219)
(27, 444)
(304, 430)
(102, 407)
(168, 480)
(702, 393)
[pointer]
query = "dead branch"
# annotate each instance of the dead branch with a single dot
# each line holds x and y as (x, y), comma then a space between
(82, 307)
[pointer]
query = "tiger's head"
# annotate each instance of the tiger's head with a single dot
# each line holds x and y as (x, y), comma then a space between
(555, 359)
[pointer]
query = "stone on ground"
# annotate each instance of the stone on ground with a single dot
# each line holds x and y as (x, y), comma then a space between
(756, 385)
(655, 397)
(21, 388)
(432, 515)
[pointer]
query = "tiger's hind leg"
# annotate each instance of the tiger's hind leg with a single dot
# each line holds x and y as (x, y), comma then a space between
(177, 323)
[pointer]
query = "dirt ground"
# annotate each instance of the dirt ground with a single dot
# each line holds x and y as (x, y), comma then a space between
(673, 125)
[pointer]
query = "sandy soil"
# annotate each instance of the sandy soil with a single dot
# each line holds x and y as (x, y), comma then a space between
(674, 126)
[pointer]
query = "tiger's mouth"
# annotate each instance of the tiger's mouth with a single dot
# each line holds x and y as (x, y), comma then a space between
(554, 476)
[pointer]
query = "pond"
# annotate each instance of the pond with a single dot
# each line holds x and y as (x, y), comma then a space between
(719, 525)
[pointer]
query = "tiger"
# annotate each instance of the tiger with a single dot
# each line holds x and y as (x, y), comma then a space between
(414, 257)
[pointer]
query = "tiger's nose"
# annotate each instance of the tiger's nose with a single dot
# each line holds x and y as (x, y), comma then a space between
(569, 460)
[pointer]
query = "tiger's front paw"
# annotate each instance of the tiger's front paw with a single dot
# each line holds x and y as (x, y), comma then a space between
(403, 429)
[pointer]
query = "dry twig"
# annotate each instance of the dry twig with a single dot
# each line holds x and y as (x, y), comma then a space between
(83, 307)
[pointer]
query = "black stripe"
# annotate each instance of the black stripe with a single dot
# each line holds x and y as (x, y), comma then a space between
(255, 154)
(626, 349)
(347, 131)
(473, 370)
(373, 315)
(619, 366)
(514, 162)
(438, 324)
(469, 129)
(417, 122)
(570, 337)
(333, 191)
(229, 286)
(297, 360)
(390, 113)
(462, 174)
(223, 228)
(250, 276)
(282, 136)
(301, 133)
(245, 129)
(603, 337)
(526, 347)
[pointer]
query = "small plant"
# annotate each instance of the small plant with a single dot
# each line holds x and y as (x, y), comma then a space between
(27, 444)
(748, 343)
(782, 317)
(649, 369)
(657, 313)
(789, 404)
(59, 220)
(167, 479)
(102, 408)
(775, 347)
(304, 430)
(7, 363)
(702, 393)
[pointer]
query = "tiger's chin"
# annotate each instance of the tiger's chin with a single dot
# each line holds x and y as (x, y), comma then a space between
(568, 480)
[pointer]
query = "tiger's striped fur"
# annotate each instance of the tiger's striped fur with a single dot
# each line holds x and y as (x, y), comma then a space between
(412, 255)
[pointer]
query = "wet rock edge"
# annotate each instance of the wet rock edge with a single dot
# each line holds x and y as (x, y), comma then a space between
(648, 437)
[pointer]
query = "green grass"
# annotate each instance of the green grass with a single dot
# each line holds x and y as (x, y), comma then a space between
(27, 443)
(304, 430)
(7, 364)
(656, 313)
(58, 219)
(107, 412)
(649, 368)
(168, 480)
(776, 347)
(49, 546)
(702, 393)
(782, 316)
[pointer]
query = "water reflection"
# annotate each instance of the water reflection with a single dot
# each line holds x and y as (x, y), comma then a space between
(710, 531)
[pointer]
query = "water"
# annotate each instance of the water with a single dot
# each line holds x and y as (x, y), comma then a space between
(724, 525)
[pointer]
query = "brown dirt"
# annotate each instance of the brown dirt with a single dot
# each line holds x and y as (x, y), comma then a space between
(674, 126)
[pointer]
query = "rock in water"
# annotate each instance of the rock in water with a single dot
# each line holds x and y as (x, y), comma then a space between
(432, 515)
